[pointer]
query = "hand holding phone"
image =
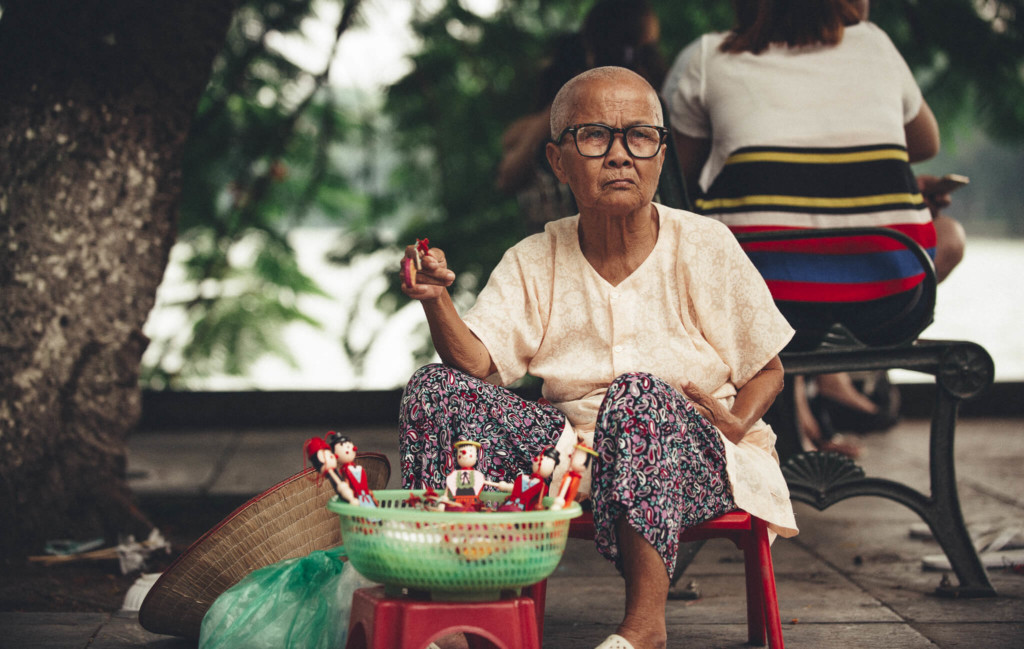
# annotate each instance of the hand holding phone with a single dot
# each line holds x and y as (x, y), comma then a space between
(935, 191)
(932, 186)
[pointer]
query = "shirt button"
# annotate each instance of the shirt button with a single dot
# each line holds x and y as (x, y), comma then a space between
(617, 349)
(614, 296)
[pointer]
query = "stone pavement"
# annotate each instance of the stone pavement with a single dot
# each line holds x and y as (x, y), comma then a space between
(852, 578)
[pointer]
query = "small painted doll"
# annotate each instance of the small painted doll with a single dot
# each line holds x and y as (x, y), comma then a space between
(352, 473)
(325, 463)
(465, 483)
(528, 491)
(579, 464)
(415, 263)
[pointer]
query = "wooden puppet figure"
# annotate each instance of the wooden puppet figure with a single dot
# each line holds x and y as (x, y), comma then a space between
(353, 474)
(325, 463)
(528, 491)
(465, 483)
(579, 464)
(412, 264)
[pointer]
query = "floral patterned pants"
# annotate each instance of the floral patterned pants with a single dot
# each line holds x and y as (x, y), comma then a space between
(661, 464)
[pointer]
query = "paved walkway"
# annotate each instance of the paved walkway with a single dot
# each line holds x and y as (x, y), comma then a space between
(852, 578)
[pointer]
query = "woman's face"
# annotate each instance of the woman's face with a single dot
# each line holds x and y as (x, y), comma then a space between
(618, 182)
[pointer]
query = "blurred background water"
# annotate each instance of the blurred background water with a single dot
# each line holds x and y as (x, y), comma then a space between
(981, 301)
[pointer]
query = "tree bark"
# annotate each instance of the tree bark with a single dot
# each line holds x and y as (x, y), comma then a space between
(96, 100)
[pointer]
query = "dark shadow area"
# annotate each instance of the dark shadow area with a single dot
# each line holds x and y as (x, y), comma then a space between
(176, 409)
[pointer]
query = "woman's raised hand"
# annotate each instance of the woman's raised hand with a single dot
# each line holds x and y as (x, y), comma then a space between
(428, 279)
(428, 282)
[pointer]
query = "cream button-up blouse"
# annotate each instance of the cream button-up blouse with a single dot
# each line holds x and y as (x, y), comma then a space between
(695, 310)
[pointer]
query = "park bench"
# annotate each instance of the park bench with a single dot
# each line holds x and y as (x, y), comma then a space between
(961, 370)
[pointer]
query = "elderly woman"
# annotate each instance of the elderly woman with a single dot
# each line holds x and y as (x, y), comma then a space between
(655, 337)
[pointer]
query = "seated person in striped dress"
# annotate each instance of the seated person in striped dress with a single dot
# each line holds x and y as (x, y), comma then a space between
(806, 116)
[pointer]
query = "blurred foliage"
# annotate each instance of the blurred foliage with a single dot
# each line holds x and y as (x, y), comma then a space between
(266, 153)
(967, 56)
(274, 147)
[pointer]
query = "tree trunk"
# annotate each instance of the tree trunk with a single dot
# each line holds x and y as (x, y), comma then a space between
(96, 99)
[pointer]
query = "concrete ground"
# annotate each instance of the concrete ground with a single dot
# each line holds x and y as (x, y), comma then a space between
(852, 578)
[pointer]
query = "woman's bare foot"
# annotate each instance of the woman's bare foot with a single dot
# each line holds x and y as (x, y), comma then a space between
(807, 424)
(840, 388)
(812, 437)
(646, 637)
(851, 451)
(454, 641)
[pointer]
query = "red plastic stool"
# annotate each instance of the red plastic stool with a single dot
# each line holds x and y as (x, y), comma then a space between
(750, 534)
(381, 622)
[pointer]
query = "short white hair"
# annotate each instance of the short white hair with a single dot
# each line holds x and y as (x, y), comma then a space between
(567, 99)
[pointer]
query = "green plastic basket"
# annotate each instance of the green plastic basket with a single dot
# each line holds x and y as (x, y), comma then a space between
(459, 556)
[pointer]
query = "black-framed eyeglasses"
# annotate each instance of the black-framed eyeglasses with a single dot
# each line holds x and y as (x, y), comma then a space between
(595, 140)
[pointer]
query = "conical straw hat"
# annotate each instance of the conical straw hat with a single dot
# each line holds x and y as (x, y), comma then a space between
(288, 520)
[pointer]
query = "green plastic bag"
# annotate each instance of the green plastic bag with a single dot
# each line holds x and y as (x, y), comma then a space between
(300, 603)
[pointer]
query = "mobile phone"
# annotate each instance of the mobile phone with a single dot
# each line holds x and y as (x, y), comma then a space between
(948, 183)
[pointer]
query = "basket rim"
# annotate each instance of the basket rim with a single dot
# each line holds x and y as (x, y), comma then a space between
(341, 508)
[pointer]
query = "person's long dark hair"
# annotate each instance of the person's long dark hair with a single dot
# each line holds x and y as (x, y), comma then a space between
(795, 23)
(567, 59)
(618, 32)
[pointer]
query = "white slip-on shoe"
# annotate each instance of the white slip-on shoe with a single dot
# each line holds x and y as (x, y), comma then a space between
(615, 641)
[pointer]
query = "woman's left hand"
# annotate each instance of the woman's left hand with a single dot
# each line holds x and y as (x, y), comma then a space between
(712, 409)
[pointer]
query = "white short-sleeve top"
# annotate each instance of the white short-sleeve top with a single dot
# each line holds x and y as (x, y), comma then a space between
(695, 310)
(857, 92)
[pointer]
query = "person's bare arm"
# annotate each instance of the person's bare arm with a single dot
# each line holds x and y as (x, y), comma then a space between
(455, 343)
(922, 135)
(520, 143)
(692, 153)
(752, 401)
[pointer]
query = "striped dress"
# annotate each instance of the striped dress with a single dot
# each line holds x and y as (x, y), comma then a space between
(771, 188)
